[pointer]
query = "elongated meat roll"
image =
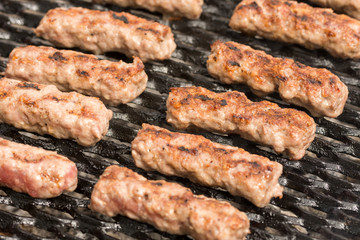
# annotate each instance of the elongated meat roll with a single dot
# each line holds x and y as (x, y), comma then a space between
(318, 90)
(35, 171)
(285, 130)
(113, 82)
(100, 32)
(208, 163)
(293, 22)
(167, 206)
(45, 110)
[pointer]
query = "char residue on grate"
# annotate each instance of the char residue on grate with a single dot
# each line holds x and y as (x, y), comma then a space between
(322, 191)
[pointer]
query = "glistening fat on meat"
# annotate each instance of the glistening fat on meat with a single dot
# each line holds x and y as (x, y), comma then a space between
(112, 82)
(284, 129)
(212, 164)
(35, 171)
(167, 206)
(45, 110)
(318, 90)
(183, 8)
(294, 22)
(105, 31)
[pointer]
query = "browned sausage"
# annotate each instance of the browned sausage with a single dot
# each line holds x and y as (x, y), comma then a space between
(285, 130)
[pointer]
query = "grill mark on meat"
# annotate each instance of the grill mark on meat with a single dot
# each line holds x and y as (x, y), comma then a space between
(255, 6)
(255, 164)
(32, 160)
(249, 53)
(121, 18)
(192, 151)
(299, 65)
(158, 184)
(28, 85)
(82, 73)
(148, 30)
(55, 98)
(232, 47)
(4, 95)
(232, 63)
(158, 132)
(314, 81)
(181, 199)
(120, 79)
(281, 78)
(223, 150)
(241, 118)
(302, 18)
(223, 102)
(252, 5)
(328, 14)
(58, 56)
(82, 57)
(203, 98)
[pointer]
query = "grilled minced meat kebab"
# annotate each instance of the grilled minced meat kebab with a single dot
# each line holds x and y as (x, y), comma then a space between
(212, 164)
(286, 130)
(113, 82)
(293, 22)
(183, 8)
(350, 7)
(45, 110)
(100, 32)
(35, 171)
(318, 90)
(167, 206)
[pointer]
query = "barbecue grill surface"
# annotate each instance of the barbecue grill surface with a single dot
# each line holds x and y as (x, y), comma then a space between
(322, 191)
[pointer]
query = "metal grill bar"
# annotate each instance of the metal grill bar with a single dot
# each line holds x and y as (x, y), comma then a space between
(322, 191)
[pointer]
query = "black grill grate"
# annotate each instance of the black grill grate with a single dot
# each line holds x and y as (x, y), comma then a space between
(322, 191)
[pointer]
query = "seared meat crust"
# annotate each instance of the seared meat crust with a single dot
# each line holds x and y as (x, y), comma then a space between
(100, 32)
(167, 206)
(350, 7)
(45, 110)
(286, 130)
(318, 90)
(35, 171)
(197, 158)
(293, 22)
(191, 9)
(113, 82)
